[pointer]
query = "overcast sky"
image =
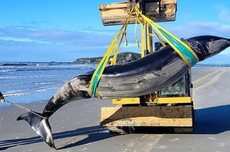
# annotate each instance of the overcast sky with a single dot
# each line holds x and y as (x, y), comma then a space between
(64, 30)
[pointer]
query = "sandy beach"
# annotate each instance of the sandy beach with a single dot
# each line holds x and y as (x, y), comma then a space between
(76, 126)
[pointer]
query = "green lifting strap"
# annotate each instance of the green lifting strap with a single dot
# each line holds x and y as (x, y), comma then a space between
(185, 52)
(97, 78)
(99, 70)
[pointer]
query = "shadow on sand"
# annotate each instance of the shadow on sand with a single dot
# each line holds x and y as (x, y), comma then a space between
(94, 133)
(213, 120)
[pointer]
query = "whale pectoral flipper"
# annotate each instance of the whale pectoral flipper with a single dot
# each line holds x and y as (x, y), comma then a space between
(40, 125)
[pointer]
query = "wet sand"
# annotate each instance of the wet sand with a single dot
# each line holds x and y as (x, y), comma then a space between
(76, 126)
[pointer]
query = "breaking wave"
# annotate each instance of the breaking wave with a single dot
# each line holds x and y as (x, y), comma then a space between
(35, 81)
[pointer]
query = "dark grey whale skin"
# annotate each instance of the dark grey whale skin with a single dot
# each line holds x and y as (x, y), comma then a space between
(146, 75)
(155, 71)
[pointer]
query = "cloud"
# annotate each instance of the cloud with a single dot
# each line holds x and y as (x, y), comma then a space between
(56, 36)
(201, 28)
(224, 13)
(85, 38)
(32, 23)
(51, 44)
(67, 45)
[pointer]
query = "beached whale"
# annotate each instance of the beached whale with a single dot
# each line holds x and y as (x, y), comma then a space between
(146, 75)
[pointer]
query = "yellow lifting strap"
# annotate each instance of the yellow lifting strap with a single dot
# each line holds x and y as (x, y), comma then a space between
(93, 91)
(114, 60)
(185, 52)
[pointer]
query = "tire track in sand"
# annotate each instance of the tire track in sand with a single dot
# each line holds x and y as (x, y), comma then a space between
(142, 144)
(207, 84)
(204, 77)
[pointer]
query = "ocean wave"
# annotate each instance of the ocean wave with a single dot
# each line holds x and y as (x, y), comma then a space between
(34, 76)
(42, 64)
(20, 82)
(45, 68)
(17, 94)
(30, 91)
(31, 83)
(14, 64)
(8, 70)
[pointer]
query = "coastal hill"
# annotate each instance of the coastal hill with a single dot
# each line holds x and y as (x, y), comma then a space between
(121, 58)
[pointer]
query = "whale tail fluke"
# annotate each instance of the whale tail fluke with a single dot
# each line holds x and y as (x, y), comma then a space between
(40, 125)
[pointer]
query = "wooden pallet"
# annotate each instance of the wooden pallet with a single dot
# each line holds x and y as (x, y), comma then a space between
(157, 116)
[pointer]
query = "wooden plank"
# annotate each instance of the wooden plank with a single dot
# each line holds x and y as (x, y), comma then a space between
(166, 100)
(116, 13)
(181, 116)
(118, 5)
(127, 101)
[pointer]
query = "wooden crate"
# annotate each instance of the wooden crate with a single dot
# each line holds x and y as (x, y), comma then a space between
(116, 13)
(158, 116)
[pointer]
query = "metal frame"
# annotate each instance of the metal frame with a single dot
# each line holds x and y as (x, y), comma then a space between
(134, 113)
